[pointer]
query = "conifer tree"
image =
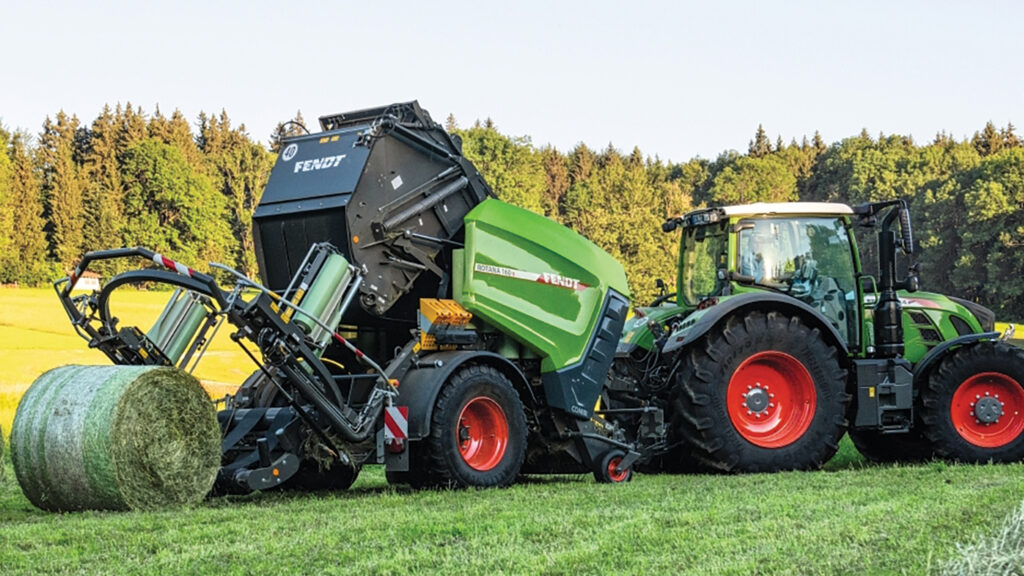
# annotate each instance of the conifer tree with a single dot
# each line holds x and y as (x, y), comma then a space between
(6, 215)
(104, 193)
(62, 189)
(989, 141)
(760, 146)
(176, 132)
(27, 263)
(1010, 140)
(819, 143)
(131, 127)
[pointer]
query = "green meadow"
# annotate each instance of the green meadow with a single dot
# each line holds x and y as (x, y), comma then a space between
(851, 518)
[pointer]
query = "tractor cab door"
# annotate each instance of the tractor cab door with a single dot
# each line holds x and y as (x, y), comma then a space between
(810, 258)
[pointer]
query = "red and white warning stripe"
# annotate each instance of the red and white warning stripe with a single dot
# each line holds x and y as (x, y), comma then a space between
(172, 265)
(396, 422)
(539, 277)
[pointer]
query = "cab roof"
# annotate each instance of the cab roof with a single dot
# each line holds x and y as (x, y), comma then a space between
(712, 215)
(767, 208)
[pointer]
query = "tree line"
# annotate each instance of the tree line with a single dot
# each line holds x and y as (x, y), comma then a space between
(130, 178)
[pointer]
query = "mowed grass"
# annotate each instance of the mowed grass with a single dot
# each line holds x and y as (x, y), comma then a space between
(851, 518)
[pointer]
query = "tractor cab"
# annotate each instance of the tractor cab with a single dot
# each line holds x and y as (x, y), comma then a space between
(805, 250)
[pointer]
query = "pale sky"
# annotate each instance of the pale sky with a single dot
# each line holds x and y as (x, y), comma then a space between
(677, 79)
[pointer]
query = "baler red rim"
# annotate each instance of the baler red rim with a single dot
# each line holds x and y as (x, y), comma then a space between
(617, 476)
(486, 433)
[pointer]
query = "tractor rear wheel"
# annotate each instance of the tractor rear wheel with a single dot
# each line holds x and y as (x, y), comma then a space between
(973, 404)
(761, 393)
(477, 431)
(878, 447)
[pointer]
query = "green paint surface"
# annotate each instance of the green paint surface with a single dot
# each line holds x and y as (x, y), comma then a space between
(535, 280)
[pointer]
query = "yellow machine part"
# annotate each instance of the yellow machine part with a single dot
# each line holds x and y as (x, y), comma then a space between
(441, 313)
(444, 312)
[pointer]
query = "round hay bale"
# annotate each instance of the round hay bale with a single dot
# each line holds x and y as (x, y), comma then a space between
(115, 438)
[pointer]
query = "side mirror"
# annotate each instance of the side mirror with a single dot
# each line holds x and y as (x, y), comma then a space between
(905, 231)
(912, 283)
(671, 224)
(660, 285)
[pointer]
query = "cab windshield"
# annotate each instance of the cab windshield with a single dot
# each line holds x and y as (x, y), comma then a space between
(705, 250)
(809, 258)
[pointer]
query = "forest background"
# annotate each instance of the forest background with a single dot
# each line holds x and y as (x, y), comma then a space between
(188, 191)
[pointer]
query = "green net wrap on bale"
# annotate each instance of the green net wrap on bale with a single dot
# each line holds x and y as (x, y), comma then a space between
(115, 438)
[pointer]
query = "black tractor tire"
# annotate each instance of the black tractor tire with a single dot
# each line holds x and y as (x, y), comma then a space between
(477, 431)
(605, 473)
(973, 404)
(911, 446)
(728, 382)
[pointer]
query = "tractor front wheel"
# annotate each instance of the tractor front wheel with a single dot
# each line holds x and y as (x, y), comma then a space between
(760, 393)
(973, 404)
(477, 432)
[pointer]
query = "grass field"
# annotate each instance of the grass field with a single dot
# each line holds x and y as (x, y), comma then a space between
(852, 518)
(36, 335)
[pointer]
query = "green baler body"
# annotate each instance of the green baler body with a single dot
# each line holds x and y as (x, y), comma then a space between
(535, 280)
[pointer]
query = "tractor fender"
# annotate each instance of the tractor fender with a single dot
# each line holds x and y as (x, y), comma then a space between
(421, 385)
(936, 354)
(700, 322)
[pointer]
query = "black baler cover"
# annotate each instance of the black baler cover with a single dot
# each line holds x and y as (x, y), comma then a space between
(387, 186)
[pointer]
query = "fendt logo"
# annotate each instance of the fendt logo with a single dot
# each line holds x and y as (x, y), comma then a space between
(541, 278)
(290, 152)
(319, 163)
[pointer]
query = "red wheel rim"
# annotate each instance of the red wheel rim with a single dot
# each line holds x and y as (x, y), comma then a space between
(771, 399)
(986, 410)
(616, 476)
(482, 433)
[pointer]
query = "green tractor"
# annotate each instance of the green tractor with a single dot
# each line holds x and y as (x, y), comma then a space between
(776, 343)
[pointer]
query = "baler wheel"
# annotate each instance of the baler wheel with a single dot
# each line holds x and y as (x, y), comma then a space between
(478, 430)
(760, 393)
(606, 472)
(973, 404)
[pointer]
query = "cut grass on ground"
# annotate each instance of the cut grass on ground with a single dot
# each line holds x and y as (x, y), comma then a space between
(852, 519)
